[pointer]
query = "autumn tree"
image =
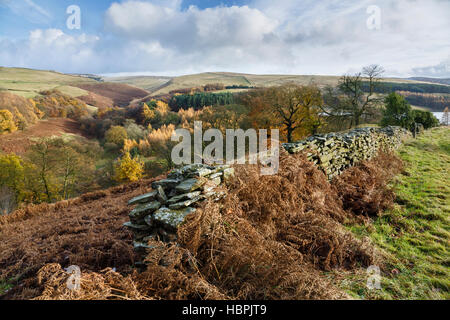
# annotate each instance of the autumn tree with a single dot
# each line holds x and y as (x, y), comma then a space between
(128, 169)
(11, 182)
(293, 108)
(7, 124)
(161, 144)
(19, 119)
(44, 157)
(222, 117)
(60, 169)
(75, 166)
(147, 114)
(116, 135)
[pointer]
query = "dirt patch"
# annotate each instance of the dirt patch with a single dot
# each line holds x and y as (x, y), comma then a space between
(18, 142)
(85, 231)
(120, 94)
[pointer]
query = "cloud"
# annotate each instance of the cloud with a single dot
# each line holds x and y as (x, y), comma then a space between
(264, 36)
(328, 37)
(50, 49)
(440, 70)
(192, 29)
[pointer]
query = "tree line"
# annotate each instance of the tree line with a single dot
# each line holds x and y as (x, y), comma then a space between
(200, 100)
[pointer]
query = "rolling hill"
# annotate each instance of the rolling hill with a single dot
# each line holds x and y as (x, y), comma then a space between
(163, 85)
(120, 91)
(28, 83)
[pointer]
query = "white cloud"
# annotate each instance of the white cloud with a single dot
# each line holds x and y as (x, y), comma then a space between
(50, 49)
(283, 36)
(440, 70)
(190, 30)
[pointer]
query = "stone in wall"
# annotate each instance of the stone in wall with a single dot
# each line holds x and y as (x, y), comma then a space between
(335, 152)
(158, 214)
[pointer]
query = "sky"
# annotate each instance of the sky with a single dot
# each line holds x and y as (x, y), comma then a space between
(174, 37)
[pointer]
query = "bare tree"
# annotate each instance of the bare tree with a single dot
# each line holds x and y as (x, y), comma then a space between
(355, 96)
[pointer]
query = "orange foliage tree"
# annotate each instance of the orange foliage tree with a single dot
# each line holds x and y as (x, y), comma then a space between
(291, 108)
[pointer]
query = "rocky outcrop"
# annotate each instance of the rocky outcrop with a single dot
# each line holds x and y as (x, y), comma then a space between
(158, 214)
(335, 152)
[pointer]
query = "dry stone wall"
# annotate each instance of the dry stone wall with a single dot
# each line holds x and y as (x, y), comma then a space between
(158, 214)
(335, 152)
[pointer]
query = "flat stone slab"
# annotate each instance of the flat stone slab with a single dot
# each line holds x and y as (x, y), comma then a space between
(170, 218)
(144, 209)
(136, 226)
(166, 183)
(184, 204)
(189, 185)
(183, 197)
(143, 198)
(141, 246)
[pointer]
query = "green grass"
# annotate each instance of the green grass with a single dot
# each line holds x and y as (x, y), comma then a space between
(415, 234)
(4, 286)
(149, 83)
(28, 83)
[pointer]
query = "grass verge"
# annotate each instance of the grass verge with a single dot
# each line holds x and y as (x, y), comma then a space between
(415, 233)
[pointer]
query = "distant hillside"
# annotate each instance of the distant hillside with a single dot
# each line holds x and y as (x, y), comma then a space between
(91, 89)
(28, 83)
(12, 102)
(104, 92)
(120, 94)
(433, 80)
(163, 85)
(148, 83)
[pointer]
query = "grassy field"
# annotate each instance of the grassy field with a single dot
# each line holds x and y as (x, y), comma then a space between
(415, 234)
(149, 83)
(27, 83)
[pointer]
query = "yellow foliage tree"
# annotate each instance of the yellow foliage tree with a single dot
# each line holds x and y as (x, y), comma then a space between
(128, 169)
(117, 135)
(36, 110)
(147, 113)
(19, 119)
(162, 108)
(7, 124)
(129, 144)
(161, 143)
